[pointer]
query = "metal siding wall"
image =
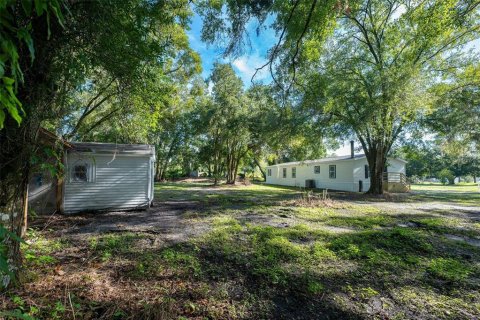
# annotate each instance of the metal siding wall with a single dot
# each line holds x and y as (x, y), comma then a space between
(119, 184)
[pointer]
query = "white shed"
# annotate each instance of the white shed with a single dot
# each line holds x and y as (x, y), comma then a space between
(105, 176)
(345, 173)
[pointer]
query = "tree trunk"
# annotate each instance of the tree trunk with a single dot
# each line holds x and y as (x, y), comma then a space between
(376, 161)
(260, 168)
(157, 170)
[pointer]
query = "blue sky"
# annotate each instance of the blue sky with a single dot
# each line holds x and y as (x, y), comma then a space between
(243, 65)
(252, 58)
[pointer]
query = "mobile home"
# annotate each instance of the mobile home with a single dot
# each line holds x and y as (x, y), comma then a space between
(344, 173)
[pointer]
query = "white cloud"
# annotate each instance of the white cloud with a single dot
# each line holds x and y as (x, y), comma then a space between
(246, 66)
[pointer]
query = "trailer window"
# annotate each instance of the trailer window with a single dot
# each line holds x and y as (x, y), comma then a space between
(80, 173)
(332, 171)
(269, 172)
(294, 172)
(316, 169)
(284, 172)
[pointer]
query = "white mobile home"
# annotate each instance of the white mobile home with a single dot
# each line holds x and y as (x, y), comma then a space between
(104, 176)
(345, 173)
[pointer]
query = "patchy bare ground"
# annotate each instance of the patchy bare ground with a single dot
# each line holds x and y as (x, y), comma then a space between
(257, 252)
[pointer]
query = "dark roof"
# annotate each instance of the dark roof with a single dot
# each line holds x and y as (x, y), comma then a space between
(98, 147)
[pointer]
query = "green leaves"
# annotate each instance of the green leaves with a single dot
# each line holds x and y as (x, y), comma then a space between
(27, 7)
(5, 235)
(40, 6)
(9, 101)
(13, 37)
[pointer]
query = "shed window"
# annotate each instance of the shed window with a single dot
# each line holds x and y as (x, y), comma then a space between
(284, 172)
(316, 169)
(332, 170)
(294, 172)
(82, 172)
(269, 172)
(367, 171)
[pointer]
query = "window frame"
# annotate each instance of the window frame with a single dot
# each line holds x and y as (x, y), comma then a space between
(334, 166)
(269, 172)
(315, 169)
(294, 172)
(89, 172)
(284, 171)
(80, 172)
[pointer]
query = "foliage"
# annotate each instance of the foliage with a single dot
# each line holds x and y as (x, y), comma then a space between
(90, 66)
(301, 27)
(446, 176)
(378, 70)
(432, 158)
(15, 34)
(381, 60)
(457, 108)
(7, 272)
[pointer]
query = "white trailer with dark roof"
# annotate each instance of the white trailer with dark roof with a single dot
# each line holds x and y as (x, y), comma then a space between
(344, 173)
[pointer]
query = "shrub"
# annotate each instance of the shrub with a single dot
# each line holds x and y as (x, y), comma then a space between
(446, 176)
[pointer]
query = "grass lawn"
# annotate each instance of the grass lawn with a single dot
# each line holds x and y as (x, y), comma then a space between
(463, 193)
(262, 252)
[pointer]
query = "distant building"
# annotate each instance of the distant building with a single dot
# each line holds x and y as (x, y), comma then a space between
(344, 173)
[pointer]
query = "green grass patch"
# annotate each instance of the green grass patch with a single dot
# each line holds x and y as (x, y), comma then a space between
(113, 244)
(449, 269)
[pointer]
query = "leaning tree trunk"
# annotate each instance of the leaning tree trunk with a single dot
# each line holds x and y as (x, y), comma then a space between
(260, 168)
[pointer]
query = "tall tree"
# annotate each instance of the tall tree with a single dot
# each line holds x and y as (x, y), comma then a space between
(381, 62)
(226, 121)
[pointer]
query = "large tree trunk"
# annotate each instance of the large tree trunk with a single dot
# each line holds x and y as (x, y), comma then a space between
(376, 158)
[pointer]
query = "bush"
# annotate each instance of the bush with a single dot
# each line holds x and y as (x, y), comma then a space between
(446, 176)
